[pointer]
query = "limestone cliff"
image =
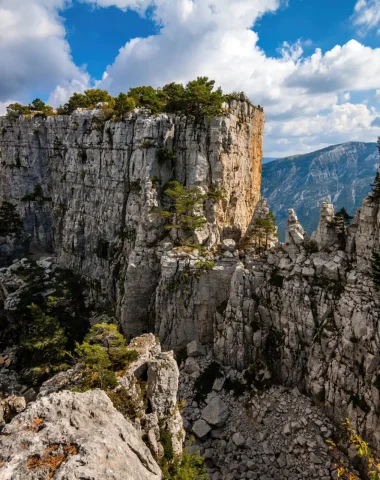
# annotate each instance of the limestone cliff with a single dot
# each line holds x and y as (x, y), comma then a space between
(88, 190)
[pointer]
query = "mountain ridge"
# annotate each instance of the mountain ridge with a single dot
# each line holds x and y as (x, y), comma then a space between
(339, 173)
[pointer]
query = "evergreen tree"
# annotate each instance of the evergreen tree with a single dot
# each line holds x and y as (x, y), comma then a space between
(44, 339)
(124, 104)
(182, 206)
(263, 229)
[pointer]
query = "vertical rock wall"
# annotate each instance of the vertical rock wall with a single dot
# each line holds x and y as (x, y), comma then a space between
(99, 184)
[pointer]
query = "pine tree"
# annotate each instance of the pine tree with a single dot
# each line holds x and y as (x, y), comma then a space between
(182, 206)
(44, 339)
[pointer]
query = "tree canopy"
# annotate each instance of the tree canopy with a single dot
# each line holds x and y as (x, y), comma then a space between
(199, 98)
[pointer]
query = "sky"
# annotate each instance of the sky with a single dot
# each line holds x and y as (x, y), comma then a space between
(314, 65)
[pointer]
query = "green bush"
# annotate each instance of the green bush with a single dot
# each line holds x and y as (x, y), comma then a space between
(98, 364)
(187, 466)
(103, 352)
(125, 404)
(107, 335)
(88, 99)
(36, 108)
(311, 246)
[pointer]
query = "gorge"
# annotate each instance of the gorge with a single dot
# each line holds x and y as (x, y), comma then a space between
(288, 330)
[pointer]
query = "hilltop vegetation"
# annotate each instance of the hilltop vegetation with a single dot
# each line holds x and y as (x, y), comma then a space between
(199, 98)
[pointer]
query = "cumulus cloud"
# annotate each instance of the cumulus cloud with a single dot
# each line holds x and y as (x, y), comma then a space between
(367, 15)
(302, 95)
(218, 40)
(34, 53)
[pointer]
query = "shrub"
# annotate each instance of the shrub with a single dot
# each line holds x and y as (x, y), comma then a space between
(276, 280)
(204, 266)
(107, 336)
(188, 466)
(36, 108)
(98, 364)
(124, 104)
(125, 404)
(88, 99)
(371, 462)
(216, 195)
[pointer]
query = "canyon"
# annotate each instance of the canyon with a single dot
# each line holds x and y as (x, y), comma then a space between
(300, 320)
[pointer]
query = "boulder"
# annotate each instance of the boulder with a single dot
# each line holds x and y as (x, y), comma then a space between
(71, 436)
(201, 428)
(195, 349)
(228, 245)
(216, 413)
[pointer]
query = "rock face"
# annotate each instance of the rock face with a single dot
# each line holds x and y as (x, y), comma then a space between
(73, 436)
(271, 434)
(88, 190)
(312, 317)
(341, 174)
(155, 408)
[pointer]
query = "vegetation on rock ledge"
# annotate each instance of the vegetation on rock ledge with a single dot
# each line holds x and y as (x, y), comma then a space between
(198, 98)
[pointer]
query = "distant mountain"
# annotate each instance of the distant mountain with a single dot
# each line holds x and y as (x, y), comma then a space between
(268, 159)
(341, 173)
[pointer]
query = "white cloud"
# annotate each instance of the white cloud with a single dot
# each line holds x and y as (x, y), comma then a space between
(367, 15)
(34, 53)
(196, 39)
(301, 95)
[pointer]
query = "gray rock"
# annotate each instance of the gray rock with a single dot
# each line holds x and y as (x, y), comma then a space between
(216, 413)
(228, 245)
(195, 349)
(95, 440)
(201, 428)
(238, 439)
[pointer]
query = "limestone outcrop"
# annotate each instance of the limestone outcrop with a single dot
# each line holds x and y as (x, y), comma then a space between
(74, 436)
(88, 190)
(310, 314)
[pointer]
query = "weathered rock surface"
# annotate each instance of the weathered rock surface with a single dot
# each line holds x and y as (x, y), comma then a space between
(312, 318)
(101, 182)
(74, 436)
(160, 376)
(274, 433)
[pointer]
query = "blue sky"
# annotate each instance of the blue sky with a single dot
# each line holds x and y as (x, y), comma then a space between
(96, 34)
(313, 64)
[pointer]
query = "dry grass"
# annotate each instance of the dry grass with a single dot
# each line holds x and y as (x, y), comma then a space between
(52, 459)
